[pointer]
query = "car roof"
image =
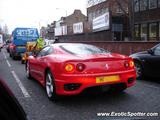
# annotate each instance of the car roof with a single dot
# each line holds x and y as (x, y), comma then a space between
(61, 44)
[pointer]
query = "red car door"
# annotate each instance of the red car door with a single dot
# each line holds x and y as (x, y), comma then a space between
(39, 63)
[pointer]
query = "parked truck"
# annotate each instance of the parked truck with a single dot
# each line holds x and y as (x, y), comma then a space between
(20, 37)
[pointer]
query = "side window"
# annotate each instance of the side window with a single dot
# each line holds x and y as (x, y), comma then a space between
(50, 51)
(157, 51)
(44, 52)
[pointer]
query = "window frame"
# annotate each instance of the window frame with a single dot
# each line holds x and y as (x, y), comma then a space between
(145, 6)
(143, 34)
(47, 52)
(149, 2)
(136, 5)
(151, 37)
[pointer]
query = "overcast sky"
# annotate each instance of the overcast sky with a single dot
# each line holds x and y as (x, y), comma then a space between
(36, 13)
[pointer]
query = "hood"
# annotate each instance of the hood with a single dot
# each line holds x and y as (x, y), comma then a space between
(139, 54)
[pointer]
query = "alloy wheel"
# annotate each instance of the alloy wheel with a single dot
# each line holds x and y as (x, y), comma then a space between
(28, 71)
(138, 70)
(49, 85)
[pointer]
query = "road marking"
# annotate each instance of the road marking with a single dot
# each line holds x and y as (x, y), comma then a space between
(9, 65)
(24, 91)
(4, 55)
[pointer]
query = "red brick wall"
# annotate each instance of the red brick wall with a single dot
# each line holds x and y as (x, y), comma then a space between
(148, 15)
(126, 48)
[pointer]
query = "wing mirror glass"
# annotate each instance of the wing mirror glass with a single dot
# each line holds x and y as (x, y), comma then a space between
(150, 51)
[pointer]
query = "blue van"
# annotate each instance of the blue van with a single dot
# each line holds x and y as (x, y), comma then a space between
(20, 37)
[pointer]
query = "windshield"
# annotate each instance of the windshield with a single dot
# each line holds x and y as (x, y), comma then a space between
(82, 49)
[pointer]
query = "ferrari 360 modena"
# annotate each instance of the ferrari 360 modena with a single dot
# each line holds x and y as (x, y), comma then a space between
(70, 68)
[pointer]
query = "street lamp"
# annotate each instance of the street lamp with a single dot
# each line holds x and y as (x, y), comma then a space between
(63, 10)
(41, 23)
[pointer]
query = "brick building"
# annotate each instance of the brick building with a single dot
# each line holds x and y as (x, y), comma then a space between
(147, 20)
(50, 31)
(75, 23)
(107, 20)
(118, 28)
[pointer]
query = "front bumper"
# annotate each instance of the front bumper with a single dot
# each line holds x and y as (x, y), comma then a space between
(85, 81)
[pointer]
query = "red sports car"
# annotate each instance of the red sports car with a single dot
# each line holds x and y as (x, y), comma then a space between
(70, 68)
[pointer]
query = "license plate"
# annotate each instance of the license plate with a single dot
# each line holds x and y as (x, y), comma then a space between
(104, 79)
(20, 47)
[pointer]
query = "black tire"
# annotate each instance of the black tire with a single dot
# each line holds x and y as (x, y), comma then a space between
(50, 87)
(12, 56)
(139, 70)
(28, 71)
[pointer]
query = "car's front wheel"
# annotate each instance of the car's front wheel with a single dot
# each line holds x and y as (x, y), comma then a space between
(139, 71)
(50, 87)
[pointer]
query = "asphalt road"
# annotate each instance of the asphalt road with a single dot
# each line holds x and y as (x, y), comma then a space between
(143, 97)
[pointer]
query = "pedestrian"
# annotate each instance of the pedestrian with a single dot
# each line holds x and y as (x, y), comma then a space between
(39, 45)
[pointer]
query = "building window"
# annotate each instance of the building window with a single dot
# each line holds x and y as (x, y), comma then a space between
(119, 10)
(136, 5)
(152, 4)
(159, 3)
(90, 16)
(143, 5)
(136, 28)
(144, 32)
(94, 15)
(136, 31)
(152, 31)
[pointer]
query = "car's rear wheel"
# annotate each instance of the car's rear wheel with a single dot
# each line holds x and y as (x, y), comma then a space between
(10, 55)
(50, 87)
(28, 71)
(139, 71)
(13, 56)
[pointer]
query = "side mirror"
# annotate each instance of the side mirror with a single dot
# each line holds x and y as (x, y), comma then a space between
(150, 51)
(34, 54)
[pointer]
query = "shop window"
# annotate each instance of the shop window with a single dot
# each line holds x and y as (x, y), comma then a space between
(136, 5)
(152, 31)
(136, 31)
(143, 5)
(152, 4)
(144, 32)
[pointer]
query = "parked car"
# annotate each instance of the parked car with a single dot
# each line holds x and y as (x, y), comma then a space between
(147, 63)
(10, 108)
(8, 42)
(70, 68)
